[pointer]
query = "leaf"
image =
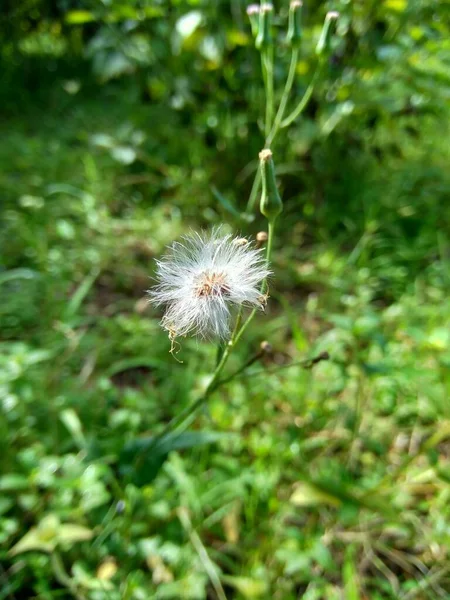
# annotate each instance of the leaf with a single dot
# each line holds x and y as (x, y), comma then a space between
(71, 533)
(397, 5)
(78, 17)
(49, 534)
(307, 494)
(73, 424)
(247, 586)
(226, 204)
(188, 23)
(80, 294)
(32, 541)
(13, 481)
(127, 364)
(350, 575)
(43, 538)
(18, 274)
(142, 459)
(124, 154)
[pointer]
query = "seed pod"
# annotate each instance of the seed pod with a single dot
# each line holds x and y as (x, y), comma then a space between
(271, 204)
(294, 34)
(253, 15)
(325, 37)
(264, 37)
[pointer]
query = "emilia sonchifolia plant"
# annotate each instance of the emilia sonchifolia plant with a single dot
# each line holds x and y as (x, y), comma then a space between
(212, 284)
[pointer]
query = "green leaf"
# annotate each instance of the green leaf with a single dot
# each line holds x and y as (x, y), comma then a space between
(127, 364)
(80, 294)
(18, 274)
(70, 533)
(142, 459)
(78, 17)
(32, 541)
(226, 204)
(247, 586)
(43, 538)
(73, 424)
(49, 534)
(350, 575)
(14, 481)
(307, 494)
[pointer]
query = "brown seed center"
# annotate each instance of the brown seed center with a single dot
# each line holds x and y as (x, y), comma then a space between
(212, 284)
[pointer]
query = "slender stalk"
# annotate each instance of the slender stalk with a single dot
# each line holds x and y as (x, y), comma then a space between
(307, 363)
(264, 284)
(210, 568)
(251, 361)
(184, 415)
(304, 101)
(267, 69)
(284, 98)
(219, 353)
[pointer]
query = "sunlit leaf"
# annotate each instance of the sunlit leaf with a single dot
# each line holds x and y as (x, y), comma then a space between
(78, 17)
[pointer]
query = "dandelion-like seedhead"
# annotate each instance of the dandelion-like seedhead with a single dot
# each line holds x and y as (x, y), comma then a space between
(201, 279)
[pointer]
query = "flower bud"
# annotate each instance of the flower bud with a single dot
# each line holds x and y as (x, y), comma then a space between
(262, 237)
(253, 15)
(271, 204)
(264, 37)
(325, 37)
(266, 347)
(294, 34)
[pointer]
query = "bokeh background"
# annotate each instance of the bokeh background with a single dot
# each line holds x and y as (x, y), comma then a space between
(127, 122)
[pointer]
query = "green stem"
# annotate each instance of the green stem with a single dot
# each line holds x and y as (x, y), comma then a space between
(267, 69)
(304, 101)
(264, 283)
(184, 415)
(284, 98)
(307, 363)
(242, 368)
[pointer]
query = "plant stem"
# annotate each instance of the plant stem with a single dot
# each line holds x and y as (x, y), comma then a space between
(264, 283)
(304, 101)
(284, 98)
(307, 363)
(267, 69)
(184, 415)
(210, 568)
(242, 368)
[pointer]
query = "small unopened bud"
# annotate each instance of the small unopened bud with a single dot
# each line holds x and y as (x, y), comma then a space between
(240, 241)
(264, 37)
(253, 15)
(294, 34)
(271, 204)
(325, 36)
(262, 237)
(266, 347)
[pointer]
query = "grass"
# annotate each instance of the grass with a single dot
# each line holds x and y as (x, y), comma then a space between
(325, 482)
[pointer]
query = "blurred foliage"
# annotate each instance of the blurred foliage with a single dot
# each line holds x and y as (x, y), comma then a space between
(126, 123)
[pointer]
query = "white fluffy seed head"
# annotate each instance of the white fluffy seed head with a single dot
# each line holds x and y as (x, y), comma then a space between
(201, 279)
